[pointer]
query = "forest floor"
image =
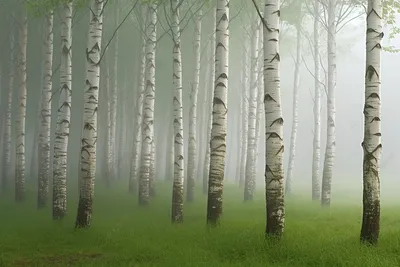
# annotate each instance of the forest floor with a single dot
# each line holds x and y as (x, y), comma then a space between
(123, 234)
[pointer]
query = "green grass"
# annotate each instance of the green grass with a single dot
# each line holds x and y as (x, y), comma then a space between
(124, 234)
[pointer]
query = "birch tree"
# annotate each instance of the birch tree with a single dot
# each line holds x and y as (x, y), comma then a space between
(177, 190)
(21, 116)
(274, 145)
(139, 106)
(45, 115)
(251, 143)
(8, 124)
(372, 145)
(218, 130)
(192, 150)
(316, 190)
(89, 129)
(331, 111)
(63, 116)
(148, 105)
(209, 117)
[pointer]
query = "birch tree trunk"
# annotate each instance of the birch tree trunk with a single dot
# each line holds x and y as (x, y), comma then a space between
(20, 123)
(251, 145)
(63, 117)
(138, 121)
(274, 145)
(372, 145)
(152, 173)
(207, 156)
(295, 111)
(89, 129)
(316, 189)
(148, 105)
(219, 122)
(245, 114)
(45, 116)
(331, 112)
(8, 124)
(179, 164)
(112, 172)
(192, 152)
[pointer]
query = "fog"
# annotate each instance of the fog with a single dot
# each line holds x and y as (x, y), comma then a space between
(347, 176)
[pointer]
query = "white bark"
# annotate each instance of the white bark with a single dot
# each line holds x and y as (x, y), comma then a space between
(148, 105)
(316, 187)
(219, 122)
(331, 112)
(7, 135)
(179, 163)
(251, 143)
(192, 152)
(372, 146)
(20, 123)
(89, 129)
(45, 115)
(63, 117)
(207, 156)
(112, 172)
(245, 110)
(138, 122)
(274, 145)
(295, 111)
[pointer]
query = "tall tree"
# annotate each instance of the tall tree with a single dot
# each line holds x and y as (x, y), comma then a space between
(192, 149)
(274, 145)
(45, 114)
(63, 116)
(220, 101)
(177, 190)
(148, 105)
(20, 123)
(89, 130)
(251, 143)
(7, 135)
(331, 112)
(316, 190)
(372, 145)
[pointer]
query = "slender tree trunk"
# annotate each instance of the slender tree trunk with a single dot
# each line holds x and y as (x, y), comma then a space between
(148, 105)
(45, 116)
(251, 145)
(372, 145)
(206, 174)
(112, 172)
(192, 152)
(220, 101)
(177, 190)
(245, 114)
(89, 129)
(316, 189)
(137, 128)
(109, 153)
(295, 111)
(331, 112)
(20, 123)
(274, 145)
(152, 176)
(63, 117)
(8, 123)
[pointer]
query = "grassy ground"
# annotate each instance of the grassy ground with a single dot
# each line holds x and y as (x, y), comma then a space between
(125, 235)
